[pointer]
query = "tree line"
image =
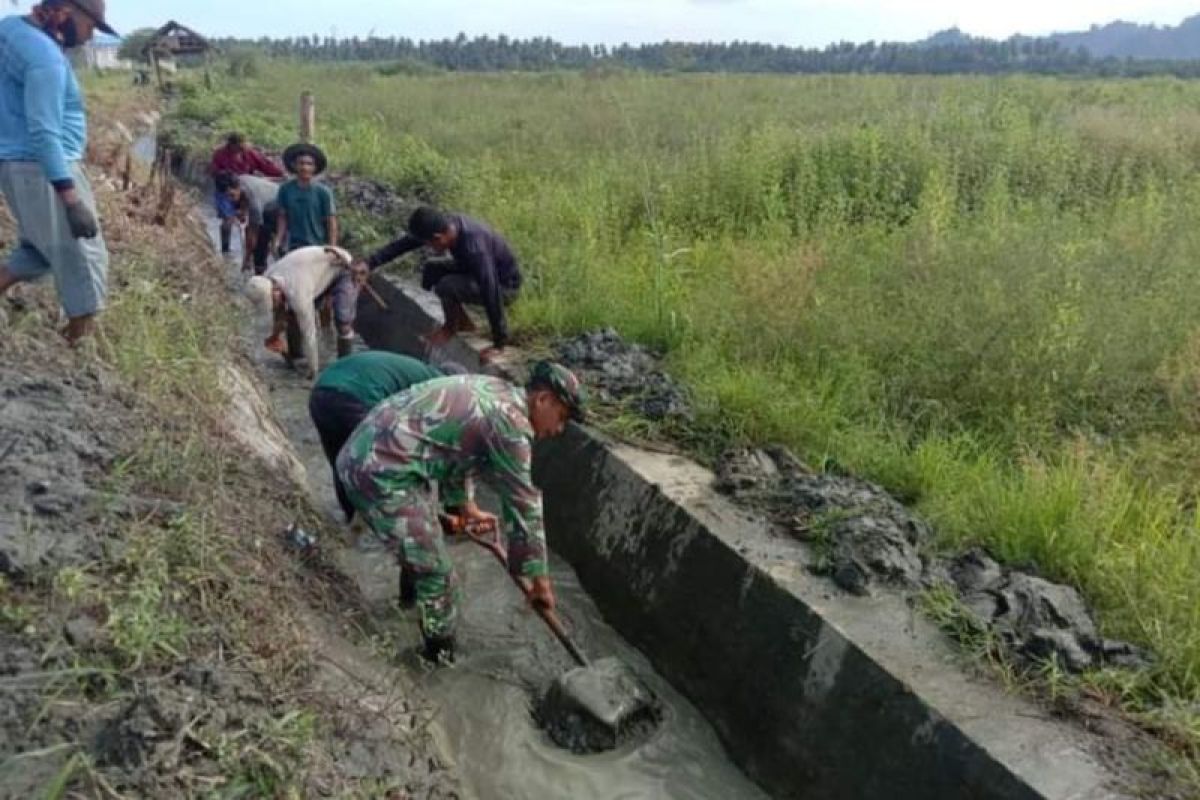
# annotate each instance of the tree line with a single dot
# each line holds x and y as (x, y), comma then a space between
(501, 53)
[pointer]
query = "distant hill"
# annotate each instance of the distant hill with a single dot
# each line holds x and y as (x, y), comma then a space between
(1128, 40)
(951, 37)
(1114, 40)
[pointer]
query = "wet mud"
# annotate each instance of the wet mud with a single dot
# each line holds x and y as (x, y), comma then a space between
(58, 435)
(373, 197)
(865, 539)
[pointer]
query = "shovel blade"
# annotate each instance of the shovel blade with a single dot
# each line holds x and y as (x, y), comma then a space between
(597, 708)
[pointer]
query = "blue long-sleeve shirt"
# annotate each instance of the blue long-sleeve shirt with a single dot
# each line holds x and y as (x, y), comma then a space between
(479, 252)
(41, 108)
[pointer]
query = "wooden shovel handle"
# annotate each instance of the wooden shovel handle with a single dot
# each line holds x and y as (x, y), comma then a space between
(550, 617)
(375, 296)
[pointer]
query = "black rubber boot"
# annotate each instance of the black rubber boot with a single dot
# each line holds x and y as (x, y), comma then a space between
(345, 346)
(439, 649)
(408, 588)
(295, 339)
(226, 236)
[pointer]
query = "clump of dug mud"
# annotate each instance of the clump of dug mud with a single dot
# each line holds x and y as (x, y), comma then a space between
(371, 196)
(865, 537)
(52, 433)
(625, 375)
(598, 708)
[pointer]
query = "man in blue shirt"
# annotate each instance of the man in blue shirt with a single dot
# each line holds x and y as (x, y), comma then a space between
(43, 132)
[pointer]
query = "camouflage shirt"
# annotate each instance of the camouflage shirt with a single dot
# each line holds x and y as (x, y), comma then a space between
(447, 431)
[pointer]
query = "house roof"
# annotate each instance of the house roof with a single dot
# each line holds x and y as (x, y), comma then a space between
(174, 39)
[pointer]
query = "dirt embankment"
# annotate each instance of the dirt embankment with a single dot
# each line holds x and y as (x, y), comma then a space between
(156, 639)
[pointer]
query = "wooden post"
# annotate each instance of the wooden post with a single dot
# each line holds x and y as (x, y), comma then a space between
(157, 69)
(308, 117)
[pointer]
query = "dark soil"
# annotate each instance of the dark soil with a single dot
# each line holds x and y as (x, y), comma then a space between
(250, 703)
(625, 375)
(60, 431)
(1036, 619)
(864, 536)
(373, 197)
(867, 538)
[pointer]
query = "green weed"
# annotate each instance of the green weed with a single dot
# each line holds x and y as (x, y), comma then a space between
(261, 759)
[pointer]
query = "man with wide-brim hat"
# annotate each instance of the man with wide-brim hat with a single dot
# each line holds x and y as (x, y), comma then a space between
(307, 212)
(43, 135)
(298, 149)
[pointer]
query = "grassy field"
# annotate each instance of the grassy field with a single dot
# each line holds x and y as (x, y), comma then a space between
(981, 292)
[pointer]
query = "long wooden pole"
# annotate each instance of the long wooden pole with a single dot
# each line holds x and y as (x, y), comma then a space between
(157, 69)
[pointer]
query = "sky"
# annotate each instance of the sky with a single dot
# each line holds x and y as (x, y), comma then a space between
(793, 22)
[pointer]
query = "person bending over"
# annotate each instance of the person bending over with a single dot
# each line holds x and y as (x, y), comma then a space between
(289, 291)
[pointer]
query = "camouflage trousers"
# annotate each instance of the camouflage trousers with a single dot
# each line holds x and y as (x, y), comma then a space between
(406, 520)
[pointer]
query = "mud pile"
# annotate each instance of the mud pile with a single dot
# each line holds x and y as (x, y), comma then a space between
(598, 708)
(54, 433)
(862, 534)
(626, 375)
(372, 197)
(864, 537)
(1035, 618)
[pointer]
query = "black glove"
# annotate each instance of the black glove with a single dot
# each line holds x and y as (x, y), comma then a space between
(82, 221)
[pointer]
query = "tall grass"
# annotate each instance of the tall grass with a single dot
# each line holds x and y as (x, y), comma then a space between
(981, 292)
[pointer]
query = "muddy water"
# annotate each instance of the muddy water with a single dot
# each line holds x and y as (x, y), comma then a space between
(507, 657)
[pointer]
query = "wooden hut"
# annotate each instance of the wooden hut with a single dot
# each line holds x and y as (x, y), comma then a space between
(173, 42)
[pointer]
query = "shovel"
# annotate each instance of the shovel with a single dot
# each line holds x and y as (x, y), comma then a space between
(491, 543)
(593, 707)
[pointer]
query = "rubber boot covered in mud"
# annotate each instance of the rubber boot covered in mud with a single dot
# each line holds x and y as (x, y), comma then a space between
(295, 339)
(439, 649)
(408, 588)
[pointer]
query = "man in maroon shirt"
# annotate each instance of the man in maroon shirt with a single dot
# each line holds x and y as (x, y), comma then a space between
(237, 157)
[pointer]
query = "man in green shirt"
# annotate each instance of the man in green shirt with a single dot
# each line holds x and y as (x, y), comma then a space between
(350, 387)
(307, 213)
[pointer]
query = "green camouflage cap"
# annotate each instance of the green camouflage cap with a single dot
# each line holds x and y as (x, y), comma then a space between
(563, 383)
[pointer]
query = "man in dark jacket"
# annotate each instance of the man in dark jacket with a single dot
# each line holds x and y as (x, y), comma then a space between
(483, 272)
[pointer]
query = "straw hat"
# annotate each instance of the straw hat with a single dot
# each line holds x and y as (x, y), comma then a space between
(304, 149)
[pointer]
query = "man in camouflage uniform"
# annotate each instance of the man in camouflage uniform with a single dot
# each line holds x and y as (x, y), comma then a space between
(447, 432)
